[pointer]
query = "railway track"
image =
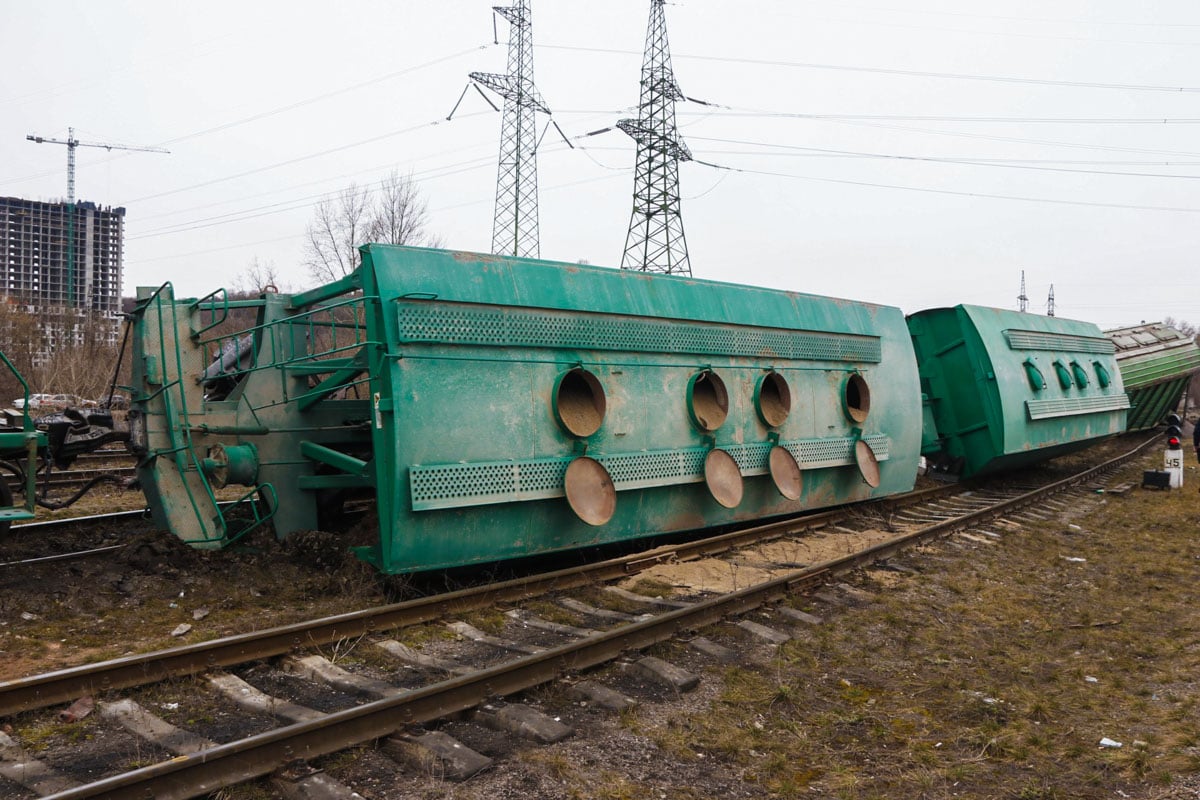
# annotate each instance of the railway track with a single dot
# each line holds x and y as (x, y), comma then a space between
(87, 467)
(607, 625)
(72, 478)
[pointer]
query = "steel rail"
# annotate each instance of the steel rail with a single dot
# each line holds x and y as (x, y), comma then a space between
(66, 685)
(75, 556)
(74, 477)
(245, 759)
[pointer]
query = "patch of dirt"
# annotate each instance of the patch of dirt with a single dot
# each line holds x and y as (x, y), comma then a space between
(59, 614)
(756, 564)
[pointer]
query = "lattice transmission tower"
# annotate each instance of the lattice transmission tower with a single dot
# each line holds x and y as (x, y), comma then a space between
(655, 242)
(515, 228)
(1022, 298)
(1050, 302)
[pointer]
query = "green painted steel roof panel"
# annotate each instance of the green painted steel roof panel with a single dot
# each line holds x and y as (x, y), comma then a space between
(475, 278)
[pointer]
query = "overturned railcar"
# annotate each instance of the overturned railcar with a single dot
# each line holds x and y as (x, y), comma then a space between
(1157, 362)
(501, 407)
(1004, 389)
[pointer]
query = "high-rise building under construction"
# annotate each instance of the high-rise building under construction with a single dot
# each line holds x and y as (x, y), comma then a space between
(65, 260)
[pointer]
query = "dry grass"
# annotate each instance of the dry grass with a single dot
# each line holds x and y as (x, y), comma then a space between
(993, 672)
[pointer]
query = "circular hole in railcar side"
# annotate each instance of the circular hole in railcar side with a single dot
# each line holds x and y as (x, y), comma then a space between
(579, 402)
(708, 400)
(856, 398)
(773, 399)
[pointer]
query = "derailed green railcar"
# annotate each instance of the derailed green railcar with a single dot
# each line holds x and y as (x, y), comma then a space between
(1157, 362)
(500, 407)
(1004, 389)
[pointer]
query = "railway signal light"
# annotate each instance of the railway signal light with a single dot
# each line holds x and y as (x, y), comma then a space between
(1174, 431)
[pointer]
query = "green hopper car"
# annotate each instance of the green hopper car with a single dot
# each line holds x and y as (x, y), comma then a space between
(499, 407)
(1005, 389)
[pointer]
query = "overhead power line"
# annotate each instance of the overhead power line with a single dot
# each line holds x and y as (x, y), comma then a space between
(936, 118)
(295, 160)
(294, 203)
(1036, 20)
(296, 236)
(943, 160)
(1020, 140)
(901, 72)
(952, 192)
(279, 110)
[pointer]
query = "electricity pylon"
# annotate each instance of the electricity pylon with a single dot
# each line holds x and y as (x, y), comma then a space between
(655, 242)
(1050, 302)
(1022, 298)
(515, 227)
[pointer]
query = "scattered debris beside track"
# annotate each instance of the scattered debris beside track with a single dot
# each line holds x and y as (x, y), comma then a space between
(964, 672)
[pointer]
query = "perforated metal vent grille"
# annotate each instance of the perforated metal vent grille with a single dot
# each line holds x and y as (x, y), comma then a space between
(463, 324)
(1040, 340)
(1070, 406)
(485, 483)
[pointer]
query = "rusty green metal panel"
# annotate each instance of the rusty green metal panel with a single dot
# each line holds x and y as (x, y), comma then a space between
(471, 456)
(1009, 389)
(479, 381)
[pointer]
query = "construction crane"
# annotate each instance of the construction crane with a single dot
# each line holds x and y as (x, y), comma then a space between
(71, 142)
(70, 267)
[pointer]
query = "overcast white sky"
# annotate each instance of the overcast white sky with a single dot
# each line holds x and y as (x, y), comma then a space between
(268, 106)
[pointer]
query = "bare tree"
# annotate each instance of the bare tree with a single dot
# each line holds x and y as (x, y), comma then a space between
(392, 213)
(259, 277)
(56, 350)
(400, 214)
(1181, 325)
(339, 226)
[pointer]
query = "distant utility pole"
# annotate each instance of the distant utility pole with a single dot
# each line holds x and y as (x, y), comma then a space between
(515, 227)
(1022, 298)
(655, 242)
(1050, 302)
